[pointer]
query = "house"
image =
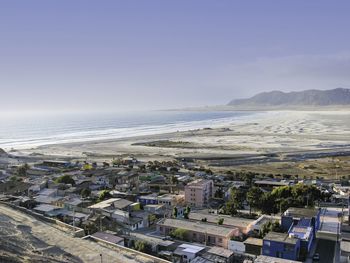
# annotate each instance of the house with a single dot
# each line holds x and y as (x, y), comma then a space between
(171, 199)
(281, 245)
(214, 255)
(257, 224)
(185, 253)
(241, 223)
(108, 237)
(253, 245)
(200, 232)
(270, 184)
(151, 199)
(120, 210)
(267, 259)
(199, 192)
(302, 217)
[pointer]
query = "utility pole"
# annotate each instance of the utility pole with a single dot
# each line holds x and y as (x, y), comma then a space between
(74, 219)
(101, 257)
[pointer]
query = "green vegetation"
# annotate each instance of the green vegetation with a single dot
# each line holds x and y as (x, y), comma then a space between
(237, 197)
(65, 179)
(187, 212)
(104, 195)
(85, 192)
(254, 196)
(270, 226)
(22, 170)
(179, 233)
(220, 221)
(175, 212)
(283, 197)
(142, 246)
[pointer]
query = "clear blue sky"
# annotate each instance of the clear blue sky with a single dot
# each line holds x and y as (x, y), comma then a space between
(113, 55)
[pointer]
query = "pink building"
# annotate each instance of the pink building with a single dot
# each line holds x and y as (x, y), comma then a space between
(199, 192)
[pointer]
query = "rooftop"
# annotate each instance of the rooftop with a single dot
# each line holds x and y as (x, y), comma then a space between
(220, 251)
(254, 241)
(268, 182)
(228, 220)
(186, 248)
(118, 203)
(301, 212)
(198, 227)
(266, 259)
(301, 232)
(198, 182)
(108, 237)
(280, 237)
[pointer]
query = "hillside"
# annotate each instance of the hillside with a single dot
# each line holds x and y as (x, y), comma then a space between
(332, 97)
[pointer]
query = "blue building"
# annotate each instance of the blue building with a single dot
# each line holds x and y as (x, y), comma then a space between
(307, 217)
(299, 226)
(281, 245)
(148, 200)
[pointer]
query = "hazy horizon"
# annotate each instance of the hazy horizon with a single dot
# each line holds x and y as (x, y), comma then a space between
(149, 55)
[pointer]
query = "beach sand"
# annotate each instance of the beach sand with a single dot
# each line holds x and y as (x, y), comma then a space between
(280, 131)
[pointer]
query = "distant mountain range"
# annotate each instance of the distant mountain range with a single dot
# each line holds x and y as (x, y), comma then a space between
(332, 97)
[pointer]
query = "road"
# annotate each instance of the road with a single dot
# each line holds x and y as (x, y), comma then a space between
(326, 250)
(36, 236)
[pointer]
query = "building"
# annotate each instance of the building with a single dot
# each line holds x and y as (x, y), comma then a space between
(243, 224)
(185, 253)
(281, 245)
(253, 246)
(257, 225)
(199, 192)
(300, 226)
(302, 217)
(266, 259)
(200, 232)
(108, 237)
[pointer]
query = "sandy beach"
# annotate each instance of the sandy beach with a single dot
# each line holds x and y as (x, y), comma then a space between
(279, 131)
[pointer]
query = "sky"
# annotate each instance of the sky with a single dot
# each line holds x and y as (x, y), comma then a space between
(78, 55)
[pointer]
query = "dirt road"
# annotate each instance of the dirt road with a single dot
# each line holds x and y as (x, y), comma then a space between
(25, 239)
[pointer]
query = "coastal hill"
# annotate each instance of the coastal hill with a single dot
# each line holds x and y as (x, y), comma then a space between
(333, 97)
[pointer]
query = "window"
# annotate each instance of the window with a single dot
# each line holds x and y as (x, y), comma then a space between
(266, 251)
(267, 243)
(160, 228)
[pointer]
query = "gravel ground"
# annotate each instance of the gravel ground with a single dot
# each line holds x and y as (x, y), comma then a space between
(25, 239)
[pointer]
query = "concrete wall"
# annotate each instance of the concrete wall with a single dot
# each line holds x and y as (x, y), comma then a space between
(122, 248)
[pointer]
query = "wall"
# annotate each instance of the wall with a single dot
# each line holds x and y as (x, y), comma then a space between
(274, 248)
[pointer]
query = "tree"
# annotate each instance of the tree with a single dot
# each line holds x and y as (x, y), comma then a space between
(254, 196)
(22, 170)
(104, 195)
(174, 180)
(175, 212)
(219, 193)
(142, 246)
(220, 221)
(85, 192)
(248, 178)
(237, 196)
(65, 179)
(179, 233)
(187, 212)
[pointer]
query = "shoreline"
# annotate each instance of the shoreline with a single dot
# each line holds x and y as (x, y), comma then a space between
(284, 132)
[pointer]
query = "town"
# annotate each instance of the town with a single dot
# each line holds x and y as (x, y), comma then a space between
(177, 211)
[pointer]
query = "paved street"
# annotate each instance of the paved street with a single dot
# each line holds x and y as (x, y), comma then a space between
(326, 250)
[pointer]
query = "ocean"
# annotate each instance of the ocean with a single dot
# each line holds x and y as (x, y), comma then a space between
(23, 132)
